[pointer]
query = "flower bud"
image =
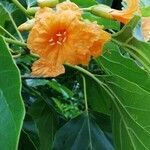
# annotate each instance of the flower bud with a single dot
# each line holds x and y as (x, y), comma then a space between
(32, 10)
(47, 3)
(102, 11)
(27, 25)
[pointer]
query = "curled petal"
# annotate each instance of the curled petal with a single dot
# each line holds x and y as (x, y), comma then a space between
(126, 15)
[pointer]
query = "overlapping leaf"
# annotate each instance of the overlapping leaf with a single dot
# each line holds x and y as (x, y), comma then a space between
(11, 105)
(81, 133)
(115, 63)
(138, 49)
(130, 114)
(44, 119)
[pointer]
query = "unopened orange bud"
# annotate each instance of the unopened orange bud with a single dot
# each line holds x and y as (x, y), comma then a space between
(101, 11)
(27, 25)
(47, 3)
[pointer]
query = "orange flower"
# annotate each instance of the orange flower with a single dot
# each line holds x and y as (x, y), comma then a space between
(146, 28)
(125, 16)
(60, 37)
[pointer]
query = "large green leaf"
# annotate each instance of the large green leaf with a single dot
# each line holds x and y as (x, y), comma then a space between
(81, 133)
(6, 12)
(25, 142)
(130, 114)
(138, 49)
(98, 99)
(129, 85)
(107, 23)
(67, 93)
(115, 63)
(45, 121)
(11, 104)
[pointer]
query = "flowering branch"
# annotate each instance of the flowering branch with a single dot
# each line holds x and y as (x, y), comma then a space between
(8, 40)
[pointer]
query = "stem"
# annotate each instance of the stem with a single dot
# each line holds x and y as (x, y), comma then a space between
(86, 109)
(5, 31)
(103, 85)
(86, 9)
(25, 77)
(17, 3)
(85, 94)
(14, 24)
(15, 42)
(16, 56)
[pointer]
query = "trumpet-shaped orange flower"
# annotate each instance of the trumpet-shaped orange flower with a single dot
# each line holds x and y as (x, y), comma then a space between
(125, 15)
(60, 37)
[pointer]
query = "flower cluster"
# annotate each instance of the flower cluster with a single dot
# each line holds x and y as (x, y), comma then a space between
(61, 36)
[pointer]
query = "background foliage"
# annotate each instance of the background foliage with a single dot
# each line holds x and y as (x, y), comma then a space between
(105, 108)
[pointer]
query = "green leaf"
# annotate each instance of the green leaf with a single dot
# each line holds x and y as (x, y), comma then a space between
(138, 49)
(30, 3)
(145, 11)
(107, 2)
(44, 119)
(98, 99)
(4, 15)
(69, 111)
(82, 3)
(81, 133)
(60, 88)
(130, 114)
(11, 104)
(25, 142)
(10, 7)
(30, 132)
(107, 23)
(115, 63)
(36, 82)
(67, 93)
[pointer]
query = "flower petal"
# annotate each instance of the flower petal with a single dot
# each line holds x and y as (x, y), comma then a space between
(45, 68)
(69, 6)
(126, 15)
(96, 49)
